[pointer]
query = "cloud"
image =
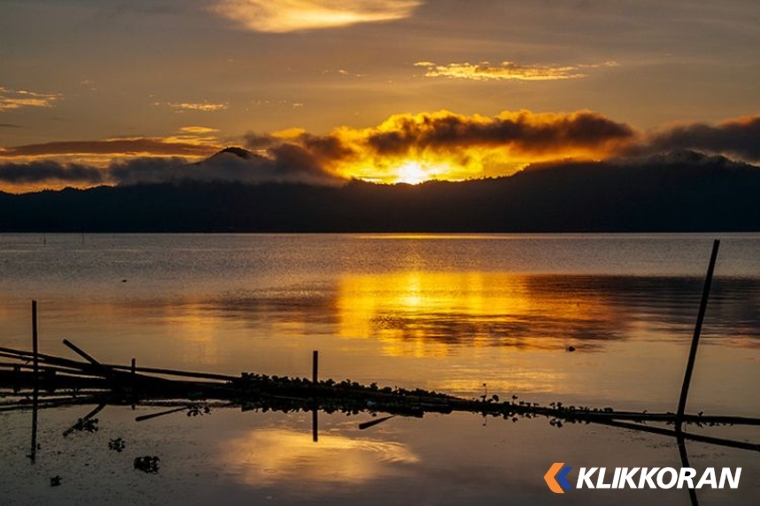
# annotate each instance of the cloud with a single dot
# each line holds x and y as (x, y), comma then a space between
(295, 15)
(48, 170)
(285, 163)
(446, 145)
(259, 142)
(146, 170)
(197, 130)
(522, 131)
(197, 106)
(738, 137)
(116, 147)
(403, 148)
(485, 71)
(17, 99)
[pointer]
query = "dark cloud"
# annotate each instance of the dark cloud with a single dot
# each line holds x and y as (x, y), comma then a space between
(740, 137)
(137, 146)
(42, 171)
(326, 147)
(524, 132)
(146, 170)
(260, 141)
(286, 163)
(10, 125)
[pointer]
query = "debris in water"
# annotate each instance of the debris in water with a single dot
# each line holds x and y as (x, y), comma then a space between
(147, 464)
(116, 445)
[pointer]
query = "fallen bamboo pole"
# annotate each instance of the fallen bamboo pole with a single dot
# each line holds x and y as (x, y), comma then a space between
(251, 391)
(335, 391)
(26, 355)
(162, 413)
(82, 353)
(686, 435)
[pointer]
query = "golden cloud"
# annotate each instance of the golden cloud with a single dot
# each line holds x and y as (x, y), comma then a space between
(485, 71)
(16, 99)
(197, 106)
(197, 130)
(448, 146)
(295, 15)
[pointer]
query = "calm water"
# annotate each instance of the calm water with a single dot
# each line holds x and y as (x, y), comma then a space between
(448, 313)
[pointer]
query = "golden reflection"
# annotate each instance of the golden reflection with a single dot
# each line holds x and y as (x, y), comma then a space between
(520, 380)
(428, 313)
(269, 456)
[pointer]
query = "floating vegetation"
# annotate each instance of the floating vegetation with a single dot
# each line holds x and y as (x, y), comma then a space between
(86, 425)
(198, 410)
(194, 394)
(147, 464)
(116, 445)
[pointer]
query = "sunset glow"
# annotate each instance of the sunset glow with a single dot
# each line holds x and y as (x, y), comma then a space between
(411, 173)
(384, 91)
(337, 249)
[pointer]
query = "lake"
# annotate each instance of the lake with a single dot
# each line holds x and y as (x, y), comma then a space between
(460, 314)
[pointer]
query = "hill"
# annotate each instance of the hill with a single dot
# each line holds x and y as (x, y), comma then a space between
(679, 192)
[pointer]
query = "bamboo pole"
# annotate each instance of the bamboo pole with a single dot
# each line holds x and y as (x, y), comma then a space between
(681, 442)
(35, 345)
(66, 362)
(35, 395)
(695, 338)
(315, 409)
(82, 353)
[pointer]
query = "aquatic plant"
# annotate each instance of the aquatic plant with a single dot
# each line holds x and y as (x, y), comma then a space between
(116, 445)
(147, 464)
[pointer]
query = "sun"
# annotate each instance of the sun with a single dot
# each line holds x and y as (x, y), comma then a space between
(411, 172)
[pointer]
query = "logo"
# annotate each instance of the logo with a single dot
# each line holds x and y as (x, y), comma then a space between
(556, 478)
(641, 477)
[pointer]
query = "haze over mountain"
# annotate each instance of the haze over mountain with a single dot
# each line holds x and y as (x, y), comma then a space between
(678, 191)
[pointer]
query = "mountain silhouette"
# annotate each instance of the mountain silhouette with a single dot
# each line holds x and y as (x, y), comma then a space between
(682, 191)
(234, 151)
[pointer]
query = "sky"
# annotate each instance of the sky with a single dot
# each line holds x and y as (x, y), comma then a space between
(382, 90)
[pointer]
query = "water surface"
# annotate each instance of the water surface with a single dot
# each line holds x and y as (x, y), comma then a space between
(448, 313)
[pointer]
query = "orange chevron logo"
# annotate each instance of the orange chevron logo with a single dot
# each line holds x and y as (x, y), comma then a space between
(558, 483)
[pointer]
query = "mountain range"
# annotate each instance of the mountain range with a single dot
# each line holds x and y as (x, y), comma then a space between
(683, 191)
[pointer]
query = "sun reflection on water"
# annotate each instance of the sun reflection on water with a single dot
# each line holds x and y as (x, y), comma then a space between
(444, 309)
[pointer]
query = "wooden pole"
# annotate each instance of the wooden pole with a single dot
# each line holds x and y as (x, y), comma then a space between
(695, 338)
(685, 463)
(35, 395)
(315, 411)
(35, 346)
(35, 416)
(315, 425)
(82, 353)
(133, 371)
